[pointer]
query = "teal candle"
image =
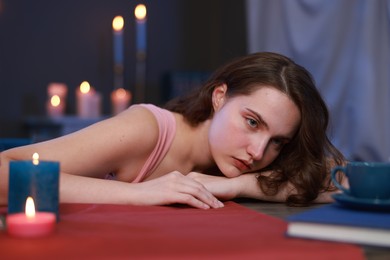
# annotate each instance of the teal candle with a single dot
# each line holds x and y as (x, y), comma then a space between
(40, 180)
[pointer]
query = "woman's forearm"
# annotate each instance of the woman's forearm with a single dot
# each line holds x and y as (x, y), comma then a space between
(80, 189)
(244, 186)
(248, 187)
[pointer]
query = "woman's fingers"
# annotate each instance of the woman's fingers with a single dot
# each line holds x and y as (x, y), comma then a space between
(196, 190)
(177, 188)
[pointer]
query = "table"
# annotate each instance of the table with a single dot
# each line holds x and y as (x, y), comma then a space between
(280, 210)
(96, 231)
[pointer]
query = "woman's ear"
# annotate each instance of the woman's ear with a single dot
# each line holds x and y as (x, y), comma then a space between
(219, 96)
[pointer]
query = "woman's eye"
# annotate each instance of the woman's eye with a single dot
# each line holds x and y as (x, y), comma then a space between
(252, 122)
(278, 142)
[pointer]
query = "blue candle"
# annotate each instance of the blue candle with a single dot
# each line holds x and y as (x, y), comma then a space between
(140, 15)
(117, 25)
(141, 39)
(38, 179)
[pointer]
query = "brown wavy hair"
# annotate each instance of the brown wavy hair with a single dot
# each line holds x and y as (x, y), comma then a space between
(305, 161)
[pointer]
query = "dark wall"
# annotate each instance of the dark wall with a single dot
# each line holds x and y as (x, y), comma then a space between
(70, 41)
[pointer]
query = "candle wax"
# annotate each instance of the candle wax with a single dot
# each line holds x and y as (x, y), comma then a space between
(118, 47)
(55, 111)
(42, 224)
(88, 104)
(141, 36)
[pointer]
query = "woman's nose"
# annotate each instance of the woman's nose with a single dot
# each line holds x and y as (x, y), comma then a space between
(257, 148)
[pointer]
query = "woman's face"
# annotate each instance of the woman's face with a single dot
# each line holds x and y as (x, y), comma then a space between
(248, 132)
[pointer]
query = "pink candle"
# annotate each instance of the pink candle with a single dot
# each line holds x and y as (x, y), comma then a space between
(59, 89)
(56, 99)
(31, 224)
(120, 100)
(55, 106)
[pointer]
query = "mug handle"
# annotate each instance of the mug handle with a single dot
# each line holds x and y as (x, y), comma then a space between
(334, 179)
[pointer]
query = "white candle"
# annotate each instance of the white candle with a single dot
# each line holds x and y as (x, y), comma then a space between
(88, 101)
(120, 100)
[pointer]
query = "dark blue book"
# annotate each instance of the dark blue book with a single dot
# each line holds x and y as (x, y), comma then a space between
(337, 223)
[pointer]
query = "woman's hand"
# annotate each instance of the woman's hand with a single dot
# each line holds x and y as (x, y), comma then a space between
(222, 187)
(176, 188)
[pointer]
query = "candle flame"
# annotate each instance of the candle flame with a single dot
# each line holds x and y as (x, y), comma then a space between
(35, 158)
(30, 208)
(140, 12)
(117, 23)
(55, 101)
(85, 87)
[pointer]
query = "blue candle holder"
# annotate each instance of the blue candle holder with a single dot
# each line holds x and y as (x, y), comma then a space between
(40, 181)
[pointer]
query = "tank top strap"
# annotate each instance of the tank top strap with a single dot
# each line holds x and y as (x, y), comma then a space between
(167, 130)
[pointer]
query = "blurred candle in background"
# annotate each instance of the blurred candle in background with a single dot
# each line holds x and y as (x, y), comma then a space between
(120, 100)
(140, 17)
(141, 43)
(55, 106)
(117, 26)
(56, 102)
(88, 101)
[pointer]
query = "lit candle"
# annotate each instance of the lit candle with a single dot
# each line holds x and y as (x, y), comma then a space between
(35, 178)
(56, 88)
(140, 16)
(56, 99)
(55, 106)
(88, 101)
(30, 224)
(117, 26)
(120, 100)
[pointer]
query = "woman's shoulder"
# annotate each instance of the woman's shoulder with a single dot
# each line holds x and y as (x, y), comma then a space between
(138, 119)
(158, 112)
(164, 119)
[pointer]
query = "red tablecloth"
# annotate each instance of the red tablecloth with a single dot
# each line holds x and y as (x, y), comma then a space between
(158, 232)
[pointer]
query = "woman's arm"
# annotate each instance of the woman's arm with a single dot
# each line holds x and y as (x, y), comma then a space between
(246, 186)
(168, 189)
(117, 145)
(243, 186)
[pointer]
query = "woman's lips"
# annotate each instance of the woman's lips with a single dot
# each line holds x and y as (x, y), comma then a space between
(241, 165)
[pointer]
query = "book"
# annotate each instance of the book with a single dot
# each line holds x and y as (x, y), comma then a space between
(334, 222)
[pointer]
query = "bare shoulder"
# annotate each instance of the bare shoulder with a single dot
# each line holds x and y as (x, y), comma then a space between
(134, 130)
(131, 127)
(115, 144)
(137, 117)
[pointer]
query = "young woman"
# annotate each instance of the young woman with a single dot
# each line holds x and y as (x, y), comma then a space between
(256, 129)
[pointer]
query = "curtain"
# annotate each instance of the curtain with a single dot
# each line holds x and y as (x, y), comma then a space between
(345, 44)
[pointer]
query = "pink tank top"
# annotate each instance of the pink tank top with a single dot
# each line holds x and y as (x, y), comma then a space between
(167, 130)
